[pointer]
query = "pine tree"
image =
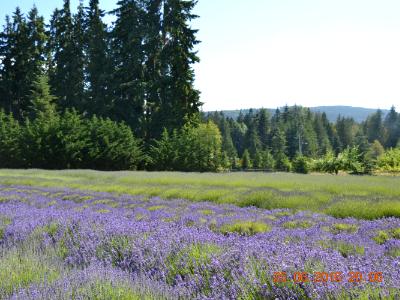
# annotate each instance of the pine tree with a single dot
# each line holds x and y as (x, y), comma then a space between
(324, 144)
(16, 71)
(128, 58)
(152, 49)
(264, 127)
(10, 139)
(179, 98)
(246, 160)
(6, 101)
(67, 57)
(374, 127)
(98, 61)
(392, 125)
(38, 39)
(346, 129)
(227, 142)
(42, 102)
(77, 77)
(252, 140)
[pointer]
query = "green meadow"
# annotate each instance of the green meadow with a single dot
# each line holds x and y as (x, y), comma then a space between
(362, 197)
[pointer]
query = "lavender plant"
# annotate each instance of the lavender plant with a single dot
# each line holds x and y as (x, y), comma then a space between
(105, 246)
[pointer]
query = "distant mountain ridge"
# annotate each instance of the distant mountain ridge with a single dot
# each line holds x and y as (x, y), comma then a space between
(359, 114)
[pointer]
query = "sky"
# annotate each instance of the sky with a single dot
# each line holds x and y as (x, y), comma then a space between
(268, 53)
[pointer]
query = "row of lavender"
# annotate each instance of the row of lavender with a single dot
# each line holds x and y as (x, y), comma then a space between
(192, 250)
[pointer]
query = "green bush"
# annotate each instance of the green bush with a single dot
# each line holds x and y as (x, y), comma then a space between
(390, 160)
(111, 146)
(192, 148)
(301, 165)
(10, 132)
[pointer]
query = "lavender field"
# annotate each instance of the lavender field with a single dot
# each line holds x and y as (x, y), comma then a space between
(60, 243)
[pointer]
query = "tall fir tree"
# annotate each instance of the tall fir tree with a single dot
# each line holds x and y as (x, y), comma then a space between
(16, 71)
(373, 127)
(67, 57)
(346, 129)
(179, 99)
(6, 38)
(99, 100)
(264, 127)
(152, 49)
(392, 125)
(128, 59)
(42, 101)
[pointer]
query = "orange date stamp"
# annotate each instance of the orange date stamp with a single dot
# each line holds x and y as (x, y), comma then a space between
(325, 277)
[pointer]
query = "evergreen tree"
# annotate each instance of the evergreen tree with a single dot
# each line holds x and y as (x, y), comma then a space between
(264, 127)
(345, 128)
(252, 140)
(179, 98)
(42, 102)
(152, 49)
(67, 57)
(38, 39)
(15, 53)
(10, 139)
(98, 61)
(320, 127)
(374, 127)
(128, 59)
(392, 125)
(246, 160)
(6, 101)
(278, 142)
(163, 153)
(227, 142)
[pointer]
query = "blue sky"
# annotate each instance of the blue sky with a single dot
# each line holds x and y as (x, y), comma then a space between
(268, 53)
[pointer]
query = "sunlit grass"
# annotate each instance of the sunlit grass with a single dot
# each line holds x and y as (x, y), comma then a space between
(245, 228)
(21, 269)
(366, 197)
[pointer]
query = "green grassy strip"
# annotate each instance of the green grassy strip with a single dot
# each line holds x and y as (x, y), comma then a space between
(364, 197)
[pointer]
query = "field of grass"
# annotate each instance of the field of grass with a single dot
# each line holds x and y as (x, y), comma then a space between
(362, 197)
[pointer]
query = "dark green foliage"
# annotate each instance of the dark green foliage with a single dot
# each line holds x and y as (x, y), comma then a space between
(42, 101)
(192, 148)
(373, 127)
(301, 165)
(22, 60)
(67, 58)
(128, 57)
(10, 132)
(282, 163)
(346, 130)
(179, 98)
(350, 160)
(110, 146)
(98, 62)
(71, 90)
(246, 160)
(392, 125)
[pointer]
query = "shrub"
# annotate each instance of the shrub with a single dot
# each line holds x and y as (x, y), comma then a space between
(245, 228)
(301, 165)
(282, 163)
(390, 160)
(10, 132)
(192, 148)
(111, 146)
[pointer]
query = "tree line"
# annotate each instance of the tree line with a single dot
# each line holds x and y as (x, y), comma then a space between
(294, 138)
(139, 70)
(77, 93)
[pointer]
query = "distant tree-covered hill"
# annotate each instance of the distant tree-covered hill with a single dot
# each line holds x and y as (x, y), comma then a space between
(359, 114)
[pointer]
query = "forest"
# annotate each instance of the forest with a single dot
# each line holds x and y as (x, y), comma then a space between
(80, 93)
